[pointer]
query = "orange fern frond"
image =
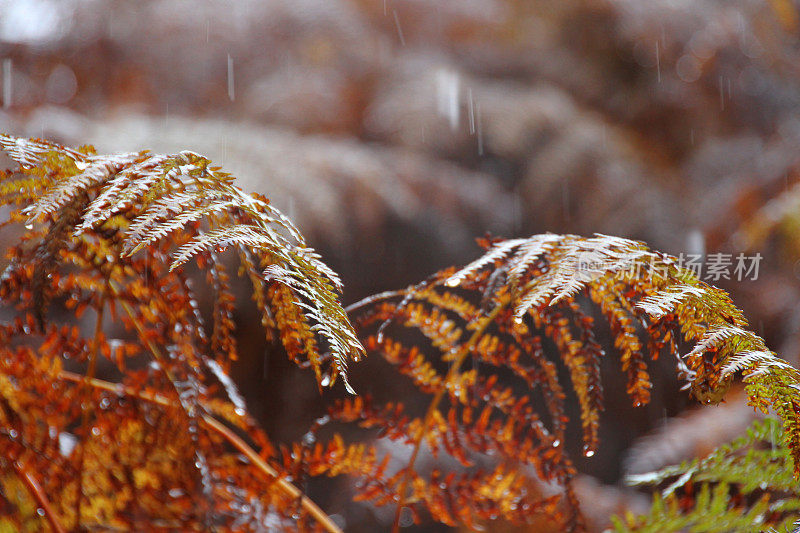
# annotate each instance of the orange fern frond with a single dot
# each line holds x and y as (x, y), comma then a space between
(497, 312)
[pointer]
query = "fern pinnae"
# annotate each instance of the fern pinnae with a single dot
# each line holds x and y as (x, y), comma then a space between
(108, 201)
(664, 301)
(723, 337)
(172, 213)
(742, 484)
(529, 251)
(618, 312)
(496, 253)
(240, 235)
(141, 190)
(97, 172)
(143, 235)
(753, 360)
(587, 260)
(33, 152)
(306, 258)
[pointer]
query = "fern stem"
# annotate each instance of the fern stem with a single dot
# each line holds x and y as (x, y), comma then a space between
(218, 427)
(41, 498)
(455, 367)
(90, 373)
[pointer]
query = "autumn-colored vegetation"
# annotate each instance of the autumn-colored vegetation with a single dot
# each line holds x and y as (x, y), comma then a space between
(117, 409)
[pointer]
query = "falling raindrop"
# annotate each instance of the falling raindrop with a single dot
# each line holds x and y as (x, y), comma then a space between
(658, 63)
(7, 83)
(471, 110)
(480, 129)
(696, 242)
(399, 29)
(447, 90)
(231, 92)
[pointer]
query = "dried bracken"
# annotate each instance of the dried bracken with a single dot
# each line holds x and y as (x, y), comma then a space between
(164, 440)
(117, 410)
(495, 319)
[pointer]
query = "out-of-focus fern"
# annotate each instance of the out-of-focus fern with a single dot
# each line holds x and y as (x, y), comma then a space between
(746, 485)
(496, 317)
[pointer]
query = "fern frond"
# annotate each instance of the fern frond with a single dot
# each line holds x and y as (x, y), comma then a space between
(743, 485)
(495, 312)
(159, 195)
(153, 449)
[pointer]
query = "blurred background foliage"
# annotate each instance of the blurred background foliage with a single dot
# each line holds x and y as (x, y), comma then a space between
(394, 132)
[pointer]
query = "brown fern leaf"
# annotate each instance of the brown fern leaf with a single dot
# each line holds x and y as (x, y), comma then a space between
(486, 323)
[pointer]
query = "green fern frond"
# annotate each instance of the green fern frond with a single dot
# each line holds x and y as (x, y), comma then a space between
(744, 485)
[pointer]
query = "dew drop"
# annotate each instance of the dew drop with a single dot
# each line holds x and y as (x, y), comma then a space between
(40, 511)
(556, 443)
(452, 282)
(517, 320)
(240, 411)
(588, 452)
(29, 226)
